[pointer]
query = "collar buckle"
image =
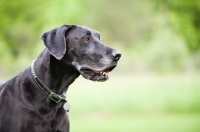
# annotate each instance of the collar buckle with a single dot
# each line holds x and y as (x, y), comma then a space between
(57, 98)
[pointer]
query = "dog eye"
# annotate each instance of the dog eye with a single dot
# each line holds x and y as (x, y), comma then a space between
(86, 38)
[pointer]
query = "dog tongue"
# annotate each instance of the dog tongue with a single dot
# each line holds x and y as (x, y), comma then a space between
(106, 73)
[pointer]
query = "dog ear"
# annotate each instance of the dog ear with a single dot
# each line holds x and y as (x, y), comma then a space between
(55, 41)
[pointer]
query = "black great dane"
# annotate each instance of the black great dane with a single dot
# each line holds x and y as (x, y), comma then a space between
(34, 100)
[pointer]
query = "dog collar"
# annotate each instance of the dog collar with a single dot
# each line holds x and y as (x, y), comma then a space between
(51, 95)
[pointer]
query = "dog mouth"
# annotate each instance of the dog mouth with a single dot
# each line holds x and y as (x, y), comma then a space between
(94, 75)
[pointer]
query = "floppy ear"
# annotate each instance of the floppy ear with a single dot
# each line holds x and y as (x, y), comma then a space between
(55, 42)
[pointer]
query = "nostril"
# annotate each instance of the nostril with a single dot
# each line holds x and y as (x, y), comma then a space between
(116, 55)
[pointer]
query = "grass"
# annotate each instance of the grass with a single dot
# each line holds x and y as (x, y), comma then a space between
(135, 123)
(128, 103)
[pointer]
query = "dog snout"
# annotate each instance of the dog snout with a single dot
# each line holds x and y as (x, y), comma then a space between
(116, 55)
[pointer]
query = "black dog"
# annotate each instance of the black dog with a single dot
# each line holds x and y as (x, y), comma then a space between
(33, 101)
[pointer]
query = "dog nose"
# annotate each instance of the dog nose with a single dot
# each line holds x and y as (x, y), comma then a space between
(116, 55)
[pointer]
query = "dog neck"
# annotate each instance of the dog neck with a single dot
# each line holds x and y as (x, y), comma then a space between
(53, 74)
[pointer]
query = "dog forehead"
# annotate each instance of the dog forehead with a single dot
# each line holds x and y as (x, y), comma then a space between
(86, 30)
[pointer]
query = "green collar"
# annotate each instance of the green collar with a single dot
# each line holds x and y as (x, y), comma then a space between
(51, 95)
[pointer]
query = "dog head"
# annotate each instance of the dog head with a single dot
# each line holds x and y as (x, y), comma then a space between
(82, 48)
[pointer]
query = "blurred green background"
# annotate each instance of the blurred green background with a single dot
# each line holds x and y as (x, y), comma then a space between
(155, 87)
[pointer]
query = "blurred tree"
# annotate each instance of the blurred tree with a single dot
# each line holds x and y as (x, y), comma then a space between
(64, 12)
(124, 22)
(20, 22)
(184, 18)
